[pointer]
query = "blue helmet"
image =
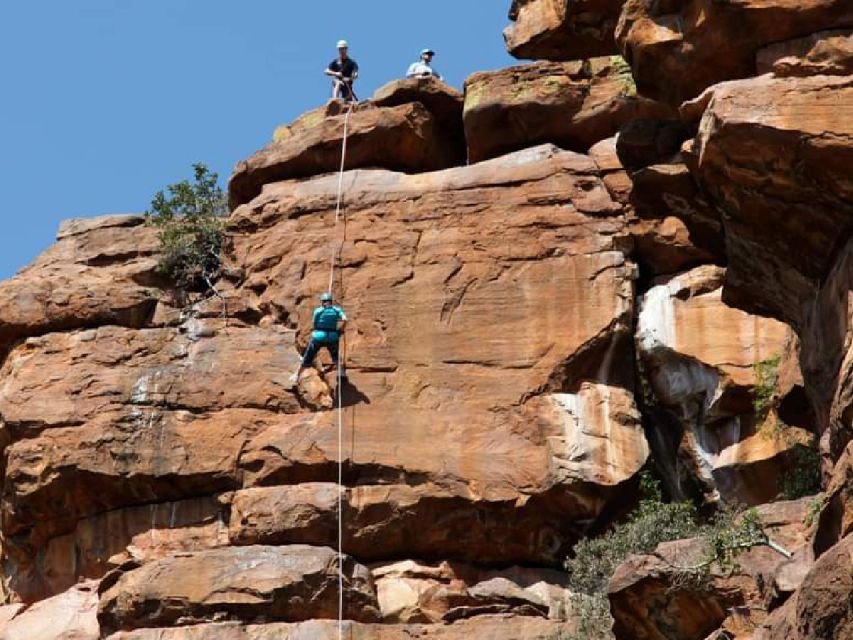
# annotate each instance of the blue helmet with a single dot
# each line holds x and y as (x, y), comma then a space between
(326, 297)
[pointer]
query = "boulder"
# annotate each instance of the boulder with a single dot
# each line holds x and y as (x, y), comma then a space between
(663, 242)
(821, 53)
(289, 584)
(100, 271)
(645, 603)
(662, 191)
(536, 411)
(822, 609)
(562, 30)
(441, 100)
(700, 357)
(776, 153)
(411, 592)
(492, 627)
(402, 138)
(71, 615)
(570, 104)
(678, 49)
(649, 599)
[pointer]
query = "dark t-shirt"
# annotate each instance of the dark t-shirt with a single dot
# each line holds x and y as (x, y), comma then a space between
(348, 67)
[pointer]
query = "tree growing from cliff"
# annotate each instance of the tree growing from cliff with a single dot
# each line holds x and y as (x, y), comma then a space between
(191, 227)
(654, 521)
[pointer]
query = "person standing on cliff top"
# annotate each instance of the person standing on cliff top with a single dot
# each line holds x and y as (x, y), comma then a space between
(423, 67)
(344, 71)
(329, 321)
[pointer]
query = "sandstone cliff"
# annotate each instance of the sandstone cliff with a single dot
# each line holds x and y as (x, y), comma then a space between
(645, 263)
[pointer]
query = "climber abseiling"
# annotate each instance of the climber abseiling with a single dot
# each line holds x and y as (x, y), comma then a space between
(344, 70)
(329, 321)
(423, 67)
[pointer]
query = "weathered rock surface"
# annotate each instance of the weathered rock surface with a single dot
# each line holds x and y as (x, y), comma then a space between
(289, 583)
(663, 243)
(107, 540)
(776, 155)
(571, 104)
(677, 49)
(822, 53)
(387, 520)
(100, 271)
(700, 358)
(562, 29)
(68, 616)
(444, 276)
(403, 138)
(129, 417)
(492, 627)
(492, 416)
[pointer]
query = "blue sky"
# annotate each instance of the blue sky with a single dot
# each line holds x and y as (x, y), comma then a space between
(103, 102)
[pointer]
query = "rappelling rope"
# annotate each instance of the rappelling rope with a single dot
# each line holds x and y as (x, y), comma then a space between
(341, 354)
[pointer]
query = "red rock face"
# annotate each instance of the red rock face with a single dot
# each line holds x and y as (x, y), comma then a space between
(99, 272)
(572, 104)
(405, 138)
(526, 333)
(561, 30)
(677, 49)
(774, 153)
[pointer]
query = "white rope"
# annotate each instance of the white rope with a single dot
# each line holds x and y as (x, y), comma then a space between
(336, 253)
(340, 509)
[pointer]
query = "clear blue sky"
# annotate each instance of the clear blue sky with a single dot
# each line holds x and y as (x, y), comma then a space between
(105, 101)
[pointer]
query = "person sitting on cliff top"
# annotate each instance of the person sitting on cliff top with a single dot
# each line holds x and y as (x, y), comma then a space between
(329, 321)
(423, 67)
(344, 70)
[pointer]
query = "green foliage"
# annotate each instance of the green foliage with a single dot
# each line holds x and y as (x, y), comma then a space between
(654, 521)
(803, 477)
(191, 230)
(625, 75)
(764, 392)
(815, 507)
(595, 559)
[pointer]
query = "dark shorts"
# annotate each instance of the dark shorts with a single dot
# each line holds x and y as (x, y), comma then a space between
(314, 348)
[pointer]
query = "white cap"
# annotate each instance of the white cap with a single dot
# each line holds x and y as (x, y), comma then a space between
(343, 44)
(430, 51)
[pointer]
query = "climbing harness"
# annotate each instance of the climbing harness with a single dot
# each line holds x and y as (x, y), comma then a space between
(341, 362)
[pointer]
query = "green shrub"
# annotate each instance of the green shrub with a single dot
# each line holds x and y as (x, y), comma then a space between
(764, 392)
(803, 477)
(191, 231)
(815, 507)
(726, 534)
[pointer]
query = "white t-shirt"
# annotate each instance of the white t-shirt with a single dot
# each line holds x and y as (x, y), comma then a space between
(421, 68)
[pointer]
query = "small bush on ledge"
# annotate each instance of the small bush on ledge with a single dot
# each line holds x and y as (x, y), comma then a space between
(191, 231)
(724, 536)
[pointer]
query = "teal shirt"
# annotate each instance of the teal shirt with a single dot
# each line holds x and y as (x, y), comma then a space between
(325, 322)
